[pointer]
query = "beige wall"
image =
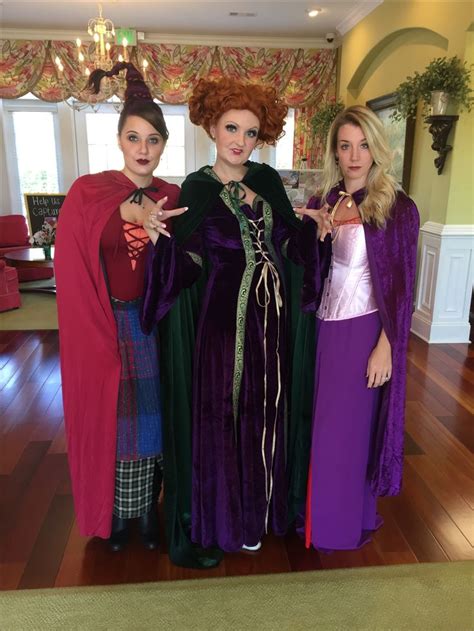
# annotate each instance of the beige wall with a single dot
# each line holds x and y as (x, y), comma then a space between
(394, 41)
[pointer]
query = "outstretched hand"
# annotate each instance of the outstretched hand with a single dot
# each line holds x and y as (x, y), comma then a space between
(321, 216)
(155, 224)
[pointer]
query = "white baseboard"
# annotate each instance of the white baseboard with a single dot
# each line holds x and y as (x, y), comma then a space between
(439, 333)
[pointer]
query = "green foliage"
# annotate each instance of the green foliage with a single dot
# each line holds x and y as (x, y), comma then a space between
(322, 120)
(449, 75)
(407, 96)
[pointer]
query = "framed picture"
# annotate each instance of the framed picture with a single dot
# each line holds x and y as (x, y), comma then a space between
(400, 136)
(300, 185)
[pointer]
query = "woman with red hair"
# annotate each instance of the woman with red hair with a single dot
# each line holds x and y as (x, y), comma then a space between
(238, 230)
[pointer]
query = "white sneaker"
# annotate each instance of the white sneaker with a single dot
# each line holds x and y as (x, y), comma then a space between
(254, 548)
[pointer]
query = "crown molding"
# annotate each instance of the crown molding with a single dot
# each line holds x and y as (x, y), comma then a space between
(170, 38)
(358, 13)
(448, 230)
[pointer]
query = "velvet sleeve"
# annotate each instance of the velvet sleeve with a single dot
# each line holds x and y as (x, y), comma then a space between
(392, 259)
(295, 242)
(316, 264)
(170, 268)
(392, 254)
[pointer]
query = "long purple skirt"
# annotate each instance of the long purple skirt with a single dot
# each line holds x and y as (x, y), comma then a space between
(341, 509)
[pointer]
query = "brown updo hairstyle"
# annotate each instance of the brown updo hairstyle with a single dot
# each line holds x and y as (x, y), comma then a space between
(211, 99)
(138, 98)
(149, 111)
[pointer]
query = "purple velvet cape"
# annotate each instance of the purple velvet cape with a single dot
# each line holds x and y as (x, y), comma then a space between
(392, 259)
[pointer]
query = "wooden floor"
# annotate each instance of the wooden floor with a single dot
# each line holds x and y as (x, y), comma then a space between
(431, 521)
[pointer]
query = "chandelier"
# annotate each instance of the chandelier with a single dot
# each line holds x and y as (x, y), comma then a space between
(102, 31)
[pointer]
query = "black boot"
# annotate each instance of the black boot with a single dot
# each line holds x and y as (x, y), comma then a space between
(119, 535)
(148, 523)
(148, 527)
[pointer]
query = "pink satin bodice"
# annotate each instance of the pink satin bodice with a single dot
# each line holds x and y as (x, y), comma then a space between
(348, 291)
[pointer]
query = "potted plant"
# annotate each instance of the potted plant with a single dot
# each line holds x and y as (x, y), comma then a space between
(322, 120)
(444, 79)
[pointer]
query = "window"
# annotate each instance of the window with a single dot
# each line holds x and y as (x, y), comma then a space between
(284, 148)
(172, 163)
(102, 148)
(36, 152)
(31, 129)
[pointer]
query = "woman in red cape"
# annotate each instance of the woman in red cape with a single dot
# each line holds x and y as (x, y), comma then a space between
(110, 375)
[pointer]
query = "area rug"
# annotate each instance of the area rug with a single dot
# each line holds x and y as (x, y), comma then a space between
(37, 312)
(417, 596)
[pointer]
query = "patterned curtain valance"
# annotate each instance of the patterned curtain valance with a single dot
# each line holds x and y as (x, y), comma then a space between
(302, 77)
(305, 79)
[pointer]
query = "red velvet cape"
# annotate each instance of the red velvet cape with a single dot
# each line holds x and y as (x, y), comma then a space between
(90, 362)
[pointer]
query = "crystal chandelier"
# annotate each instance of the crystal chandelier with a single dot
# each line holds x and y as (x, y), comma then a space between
(98, 55)
(101, 30)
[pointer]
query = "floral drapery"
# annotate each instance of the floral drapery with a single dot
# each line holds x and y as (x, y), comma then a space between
(272, 66)
(303, 78)
(174, 69)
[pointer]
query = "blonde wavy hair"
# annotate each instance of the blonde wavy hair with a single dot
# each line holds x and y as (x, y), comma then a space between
(381, 184)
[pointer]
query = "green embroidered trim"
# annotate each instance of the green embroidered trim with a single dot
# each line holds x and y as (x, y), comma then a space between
(196, 258)
(268, 222)
(244, 290)
(242, 299)
(209, 171)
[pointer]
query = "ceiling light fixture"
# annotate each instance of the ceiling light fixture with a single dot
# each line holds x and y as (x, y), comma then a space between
(312, 13)
(242, 14)
(102, 31)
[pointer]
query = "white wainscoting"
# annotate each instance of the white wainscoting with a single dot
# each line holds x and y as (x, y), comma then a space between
(443, 293)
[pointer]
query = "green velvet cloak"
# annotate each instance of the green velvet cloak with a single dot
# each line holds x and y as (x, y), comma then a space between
(177, 334)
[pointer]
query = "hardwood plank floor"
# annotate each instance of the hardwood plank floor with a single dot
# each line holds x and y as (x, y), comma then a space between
(432, 520)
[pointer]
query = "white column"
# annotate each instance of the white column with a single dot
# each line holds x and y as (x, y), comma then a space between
(443, 294)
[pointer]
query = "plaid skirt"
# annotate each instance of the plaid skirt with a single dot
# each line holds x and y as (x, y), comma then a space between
(136, 486)
(139, 407)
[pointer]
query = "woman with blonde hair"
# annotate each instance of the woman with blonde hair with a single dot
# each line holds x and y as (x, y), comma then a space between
(362, 294)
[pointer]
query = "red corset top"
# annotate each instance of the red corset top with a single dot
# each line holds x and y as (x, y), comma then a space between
(122, 246)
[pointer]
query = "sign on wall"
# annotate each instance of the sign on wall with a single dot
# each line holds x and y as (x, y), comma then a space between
(40, 206)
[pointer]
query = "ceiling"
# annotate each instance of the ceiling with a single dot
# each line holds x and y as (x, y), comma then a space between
(205, 19)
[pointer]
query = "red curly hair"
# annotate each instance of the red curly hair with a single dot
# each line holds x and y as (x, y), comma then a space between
(211, 99)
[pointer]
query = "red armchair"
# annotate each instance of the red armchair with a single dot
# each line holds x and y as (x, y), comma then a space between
(13, 233)
(9, 293)
(14, 236)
